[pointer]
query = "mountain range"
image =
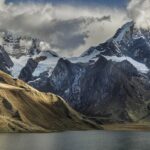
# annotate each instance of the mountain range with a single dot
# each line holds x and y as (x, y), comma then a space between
(109, 83)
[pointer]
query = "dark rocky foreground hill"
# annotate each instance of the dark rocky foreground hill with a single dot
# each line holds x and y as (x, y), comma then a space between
(24, 109)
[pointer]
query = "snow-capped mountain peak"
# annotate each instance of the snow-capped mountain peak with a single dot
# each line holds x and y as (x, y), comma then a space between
(22, 49)
(124, 32)
(129, 43)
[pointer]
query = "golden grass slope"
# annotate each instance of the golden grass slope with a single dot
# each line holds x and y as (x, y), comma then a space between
(24, 109)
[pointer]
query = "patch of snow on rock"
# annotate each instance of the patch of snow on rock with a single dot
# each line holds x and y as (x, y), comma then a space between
(139, 66)
(85, 59)
(46, 65)
(18, 65)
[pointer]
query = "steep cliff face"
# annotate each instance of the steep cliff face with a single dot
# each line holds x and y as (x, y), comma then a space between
(115, 92)
(5, 61)
(26, 72)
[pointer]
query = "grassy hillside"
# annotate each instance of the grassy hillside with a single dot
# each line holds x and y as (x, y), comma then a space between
(24, 109)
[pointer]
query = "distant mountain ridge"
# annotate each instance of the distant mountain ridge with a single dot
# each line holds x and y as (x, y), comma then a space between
(109, 82)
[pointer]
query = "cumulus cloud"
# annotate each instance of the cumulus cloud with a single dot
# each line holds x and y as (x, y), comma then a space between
(69, 30)
(139, 12)
(70, 34)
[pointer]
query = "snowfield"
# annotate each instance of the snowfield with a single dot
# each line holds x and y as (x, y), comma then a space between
(139, 66)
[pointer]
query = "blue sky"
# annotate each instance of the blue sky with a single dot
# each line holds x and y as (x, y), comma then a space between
(114, 3)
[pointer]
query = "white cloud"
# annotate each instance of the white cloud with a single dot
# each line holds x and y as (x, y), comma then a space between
(139, 11)
(70, 30)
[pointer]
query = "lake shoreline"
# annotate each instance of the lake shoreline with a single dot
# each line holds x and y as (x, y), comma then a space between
(127, 127)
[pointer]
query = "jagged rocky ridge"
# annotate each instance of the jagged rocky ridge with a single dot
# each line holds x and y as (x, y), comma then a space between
(109, 82)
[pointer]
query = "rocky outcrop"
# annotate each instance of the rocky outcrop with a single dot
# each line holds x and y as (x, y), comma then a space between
(27, 71)
(5, 61)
